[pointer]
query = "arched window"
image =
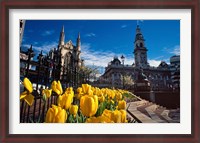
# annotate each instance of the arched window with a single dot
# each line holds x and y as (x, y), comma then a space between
(67, 58)
(67, 61)
(141, 45)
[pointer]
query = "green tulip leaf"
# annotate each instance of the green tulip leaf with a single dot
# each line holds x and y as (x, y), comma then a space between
(70, 119)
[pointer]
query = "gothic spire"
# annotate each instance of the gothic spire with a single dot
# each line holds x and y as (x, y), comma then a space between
(62, 37)
(78, 42)
(79, 36)
(63, 29)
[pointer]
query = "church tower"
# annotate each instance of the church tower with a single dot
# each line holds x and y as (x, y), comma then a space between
(62, 38)
(78, 47)
(140, 51)
(78, 42)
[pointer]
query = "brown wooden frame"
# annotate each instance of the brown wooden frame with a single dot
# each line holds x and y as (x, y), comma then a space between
(95, 4)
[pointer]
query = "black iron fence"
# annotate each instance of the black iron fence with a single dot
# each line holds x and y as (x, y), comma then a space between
(45, 71)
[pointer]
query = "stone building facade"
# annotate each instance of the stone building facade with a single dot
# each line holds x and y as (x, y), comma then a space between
(160, 78)
(68, 55)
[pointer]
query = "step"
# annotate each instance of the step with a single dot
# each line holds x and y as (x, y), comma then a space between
(139, 116)
(150, 110)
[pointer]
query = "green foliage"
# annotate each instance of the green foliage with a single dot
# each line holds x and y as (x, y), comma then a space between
(111, 107)
(128, 95)
(44, 97)
(101, 108)
(79, 118)
(70, 119)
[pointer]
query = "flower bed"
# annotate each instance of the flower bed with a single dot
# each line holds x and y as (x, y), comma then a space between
(86, 104)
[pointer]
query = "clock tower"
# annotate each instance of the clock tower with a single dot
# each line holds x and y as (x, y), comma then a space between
(140, 51)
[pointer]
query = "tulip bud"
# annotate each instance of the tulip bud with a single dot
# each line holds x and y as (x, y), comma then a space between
(73, 109)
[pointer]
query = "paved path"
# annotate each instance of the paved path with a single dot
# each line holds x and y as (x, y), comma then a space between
(147, 112)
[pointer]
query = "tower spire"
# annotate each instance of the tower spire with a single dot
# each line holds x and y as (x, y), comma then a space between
(63, 29)
(79, 36)
(62, 37)
(78, 42)
(78, 46)
(140, 51)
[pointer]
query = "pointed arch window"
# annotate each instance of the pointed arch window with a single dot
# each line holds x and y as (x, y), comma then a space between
(67, 60)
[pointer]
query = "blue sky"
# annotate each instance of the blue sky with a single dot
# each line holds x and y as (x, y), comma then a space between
(103, 39)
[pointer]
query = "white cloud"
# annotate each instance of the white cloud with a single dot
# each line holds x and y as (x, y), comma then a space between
(154, 63)
(159, 57)
(90, 35)
(124, 26)
(47, 32)
(101, 58)
(46, 47)
(175, 50)
(96, 58)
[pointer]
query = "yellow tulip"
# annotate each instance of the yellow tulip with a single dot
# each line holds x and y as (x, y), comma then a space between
(86, 89)
(92, 120)
(28, 97)
(73, 110)
(65, 100)
(123, 116)
(116, 116)
(96, 91)
(110, 93)
(56, 115)
(79, 90)
(57, 87)
(69, 90)
(79, 93)
(47, 92)
(107, 113)
(28, 85)
(101, 98)
(89, 105)
(118, 96)
(122, 104)
(100, 119)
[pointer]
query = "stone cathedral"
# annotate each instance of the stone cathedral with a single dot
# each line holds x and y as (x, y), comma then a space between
(68, 55)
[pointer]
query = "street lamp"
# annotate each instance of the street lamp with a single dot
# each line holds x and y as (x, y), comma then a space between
(123, 58)
(31, 54)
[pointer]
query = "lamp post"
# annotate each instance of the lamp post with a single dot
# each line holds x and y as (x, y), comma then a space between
(31, 54)
(123, 58)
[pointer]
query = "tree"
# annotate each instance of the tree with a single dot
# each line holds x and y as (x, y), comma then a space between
(88, 73)
(128, 81)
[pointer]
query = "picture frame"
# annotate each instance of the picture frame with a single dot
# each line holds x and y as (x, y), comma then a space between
(69, 4)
